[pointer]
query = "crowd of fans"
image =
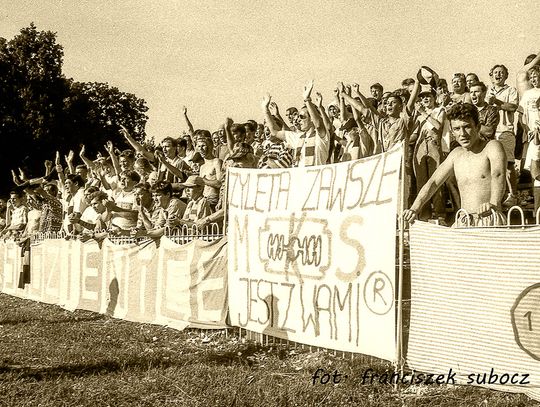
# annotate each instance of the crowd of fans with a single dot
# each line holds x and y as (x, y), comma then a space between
(144, 190)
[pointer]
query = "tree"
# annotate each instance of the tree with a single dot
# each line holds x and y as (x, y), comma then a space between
(41, 111)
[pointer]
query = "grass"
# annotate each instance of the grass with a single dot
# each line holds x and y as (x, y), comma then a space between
(53, 357)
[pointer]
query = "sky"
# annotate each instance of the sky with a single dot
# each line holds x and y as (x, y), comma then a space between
(219, 58)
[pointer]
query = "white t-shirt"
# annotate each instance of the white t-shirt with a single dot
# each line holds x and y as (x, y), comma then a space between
(506, 94)
(296, 140)
(527, 106)
(124, 200)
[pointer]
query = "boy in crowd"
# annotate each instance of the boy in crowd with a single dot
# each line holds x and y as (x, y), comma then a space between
(505, 99)
(479, 167)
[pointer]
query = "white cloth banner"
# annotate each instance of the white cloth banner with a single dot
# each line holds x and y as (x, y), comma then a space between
(174, 285)
(475, 306)
(312, 253)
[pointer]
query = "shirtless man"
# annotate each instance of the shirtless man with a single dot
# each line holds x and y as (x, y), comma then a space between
(478, 165)
(211, 170)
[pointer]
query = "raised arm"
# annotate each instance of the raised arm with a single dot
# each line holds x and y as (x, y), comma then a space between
(228, 133)
(136, 145)
(274, 109)
(59, 169)
(326, 120)
(89, 163)
(188, 124)
(69, 161)
(171, 168)
(110, 149)
(522, 82)
(312, 109)
(280, 134)
(414, 95)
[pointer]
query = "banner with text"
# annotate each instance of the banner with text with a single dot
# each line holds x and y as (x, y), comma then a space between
(174, 285)
(476, 306)
(312, 253)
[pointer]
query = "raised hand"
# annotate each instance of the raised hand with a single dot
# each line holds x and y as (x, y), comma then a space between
(109, 146)
(69, 157)
(83, 150)
(308, 87)
(319, 99)
(356, 87)
(22, 176)
(341, 87)
(266, 101)
(348, 90)
(184, 110)
(15, 178)
(273, 108)
(57, 159)
(48, 167)
(228, 122)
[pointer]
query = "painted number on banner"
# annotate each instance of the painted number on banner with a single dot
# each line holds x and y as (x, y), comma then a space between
(526, 321)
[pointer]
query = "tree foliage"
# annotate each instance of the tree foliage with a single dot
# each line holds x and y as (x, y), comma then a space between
(42, 111)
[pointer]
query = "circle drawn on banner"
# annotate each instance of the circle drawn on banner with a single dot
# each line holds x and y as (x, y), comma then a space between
(379, 293)
(525, 315)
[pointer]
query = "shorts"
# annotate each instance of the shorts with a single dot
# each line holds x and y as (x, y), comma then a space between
(465, 219)
(508, 140)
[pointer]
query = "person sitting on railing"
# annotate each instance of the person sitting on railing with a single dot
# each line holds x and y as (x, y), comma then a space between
(198, 206)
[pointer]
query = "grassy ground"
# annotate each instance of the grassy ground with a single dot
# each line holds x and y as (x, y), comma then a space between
(53, 357)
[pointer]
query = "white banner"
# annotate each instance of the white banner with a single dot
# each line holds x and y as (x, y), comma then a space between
(312, 253)
(475, 309)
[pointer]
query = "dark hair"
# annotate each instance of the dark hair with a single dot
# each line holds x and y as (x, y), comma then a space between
(535, 68)
(90, 189)
(376, 86)
(251, 126)
(504, 68)
(238, 128)
(81, 167)
(76, 179)
(19, 192)
(402, 94)
(461, 111)
(144, 163)
(442, 82)
(202, 133)
(407, 82)
(98, 195)
(129, 154)
(481, 84)
(162, 187)
(291, 110)
(170, 139)
(182, 143)
(132, 175)
(144, 186)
